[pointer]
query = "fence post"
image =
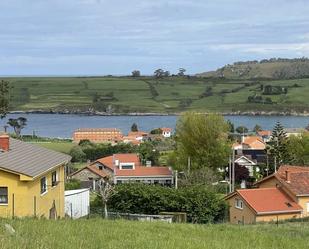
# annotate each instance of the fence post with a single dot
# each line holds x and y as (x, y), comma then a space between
(71, 210)
(88, 216)
(13, 206)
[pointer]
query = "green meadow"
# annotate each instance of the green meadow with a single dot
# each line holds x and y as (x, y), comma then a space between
(150, 95)
(99, 233)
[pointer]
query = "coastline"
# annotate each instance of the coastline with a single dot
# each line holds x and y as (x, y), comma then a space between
(96, 113)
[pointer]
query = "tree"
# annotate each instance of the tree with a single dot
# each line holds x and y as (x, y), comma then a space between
(134, 127)
(148, 152)
(77, 154)
(181, 71)
(241, 173)
(257, 128)
(159, 73)
(4, 98)
(203, 139)
(156, 131)
(106, 191)
(18, 124)
(298, 149)
(278, 144)
(166, 74)
(242, 129)
(136, 73)
(231, 126)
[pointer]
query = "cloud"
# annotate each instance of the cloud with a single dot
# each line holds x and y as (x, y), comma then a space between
(199, 34)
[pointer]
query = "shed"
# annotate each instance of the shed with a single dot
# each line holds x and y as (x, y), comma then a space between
(77, 203)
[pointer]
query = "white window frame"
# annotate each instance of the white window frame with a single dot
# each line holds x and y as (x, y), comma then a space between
(46, 188)
(239, 203)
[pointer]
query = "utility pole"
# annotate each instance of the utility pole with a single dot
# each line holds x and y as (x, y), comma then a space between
(176, 179)
(233, 175)
(230, 174)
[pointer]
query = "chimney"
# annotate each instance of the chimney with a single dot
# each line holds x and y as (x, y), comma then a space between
(4, 142)
(288, 176)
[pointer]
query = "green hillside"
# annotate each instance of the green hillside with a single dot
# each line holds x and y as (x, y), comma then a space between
(268, 69)
(167, 95)
(99, 233)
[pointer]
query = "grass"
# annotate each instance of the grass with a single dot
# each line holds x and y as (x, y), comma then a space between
(135, 95)
(63, 147)
(99, 233)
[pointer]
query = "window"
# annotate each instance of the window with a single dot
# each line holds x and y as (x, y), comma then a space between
(127, 166)
(54, 178)
(238, 204)
(3, 195)
(100, 167)
(43, 185)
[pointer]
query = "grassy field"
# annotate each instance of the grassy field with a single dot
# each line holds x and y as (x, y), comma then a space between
(146, 94)
(99, 233)
(63, 147)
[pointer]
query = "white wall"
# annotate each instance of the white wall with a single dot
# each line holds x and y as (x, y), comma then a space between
(77, 203)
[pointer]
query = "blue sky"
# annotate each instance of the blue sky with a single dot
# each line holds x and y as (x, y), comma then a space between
(98, 37)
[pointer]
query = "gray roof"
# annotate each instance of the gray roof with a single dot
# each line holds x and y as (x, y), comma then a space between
(30, 159)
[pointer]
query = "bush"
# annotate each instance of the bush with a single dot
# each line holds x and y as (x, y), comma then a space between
(200, 204)
(72, 184)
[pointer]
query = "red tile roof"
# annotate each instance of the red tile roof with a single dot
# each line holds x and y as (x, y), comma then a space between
(137, 134)
(144, 171)
(166, 129)
(298, 181)
(254, 142)
(94, 170)
(109, 161)
(269, 200)
(264, 133)
(139, 169)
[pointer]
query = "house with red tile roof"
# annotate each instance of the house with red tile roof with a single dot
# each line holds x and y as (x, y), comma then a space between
(135, 137)
(250, 143)
(248, 206)
(292, 181)
(122, 168)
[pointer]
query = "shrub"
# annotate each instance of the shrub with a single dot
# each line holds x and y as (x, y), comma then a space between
(200, 204)
(72, 184)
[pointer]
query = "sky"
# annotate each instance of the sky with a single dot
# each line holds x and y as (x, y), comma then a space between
(100, 37)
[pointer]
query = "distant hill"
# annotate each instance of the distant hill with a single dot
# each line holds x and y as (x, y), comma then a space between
(275, 68)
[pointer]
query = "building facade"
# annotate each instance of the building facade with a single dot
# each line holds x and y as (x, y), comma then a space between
(99, 135)
(31, 180)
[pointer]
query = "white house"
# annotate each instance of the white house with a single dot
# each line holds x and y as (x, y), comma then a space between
(166, 132)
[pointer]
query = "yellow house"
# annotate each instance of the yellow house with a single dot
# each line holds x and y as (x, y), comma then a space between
(31, 180)
(294, 180)
(248, 206)
(288, 188)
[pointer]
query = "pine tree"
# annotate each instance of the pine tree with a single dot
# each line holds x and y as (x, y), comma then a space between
(278, 143)
(134, 127)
